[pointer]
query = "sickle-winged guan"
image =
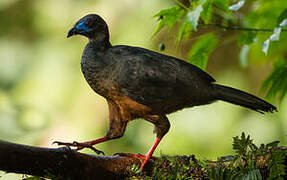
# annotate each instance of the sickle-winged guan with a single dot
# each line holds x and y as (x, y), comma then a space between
(139, 83)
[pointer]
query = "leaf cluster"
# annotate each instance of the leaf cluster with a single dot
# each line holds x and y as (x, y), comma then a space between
(267, 161)
(259, 28)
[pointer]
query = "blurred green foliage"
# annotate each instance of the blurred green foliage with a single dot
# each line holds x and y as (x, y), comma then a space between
(44, 97)
(252, 23)
(198, 54)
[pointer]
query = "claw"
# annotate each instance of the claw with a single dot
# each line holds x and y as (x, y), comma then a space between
(97, 151)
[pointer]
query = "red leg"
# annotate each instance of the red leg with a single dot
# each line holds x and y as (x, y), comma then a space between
(150, 152)
(93, 142)
(143, 158)
(116, 130)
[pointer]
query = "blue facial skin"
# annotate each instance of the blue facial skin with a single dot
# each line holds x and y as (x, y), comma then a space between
(82, 26)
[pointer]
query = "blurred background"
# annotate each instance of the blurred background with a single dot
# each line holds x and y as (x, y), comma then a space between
(44, 97)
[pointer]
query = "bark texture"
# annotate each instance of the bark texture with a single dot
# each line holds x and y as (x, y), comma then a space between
(61, 163)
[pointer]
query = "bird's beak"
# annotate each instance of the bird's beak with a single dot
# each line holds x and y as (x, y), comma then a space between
(72, 32)
(79, 28)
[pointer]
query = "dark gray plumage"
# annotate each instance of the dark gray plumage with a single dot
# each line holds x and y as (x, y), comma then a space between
(139, 83)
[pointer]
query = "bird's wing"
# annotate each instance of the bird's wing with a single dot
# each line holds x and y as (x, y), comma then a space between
(153, 78)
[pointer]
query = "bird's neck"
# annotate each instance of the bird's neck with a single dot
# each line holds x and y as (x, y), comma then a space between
(99, 45)
(93, 62)
(93, 55)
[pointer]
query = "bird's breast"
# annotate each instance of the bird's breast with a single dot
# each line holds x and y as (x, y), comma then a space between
(103, 79)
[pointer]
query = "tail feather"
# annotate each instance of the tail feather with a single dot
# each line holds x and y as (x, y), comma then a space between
(241, 98)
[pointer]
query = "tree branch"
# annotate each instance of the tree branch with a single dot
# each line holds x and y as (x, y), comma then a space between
(62, 163)
(237, 28)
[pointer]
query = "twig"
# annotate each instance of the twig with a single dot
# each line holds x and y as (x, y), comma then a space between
(184, 4)
(237, 28)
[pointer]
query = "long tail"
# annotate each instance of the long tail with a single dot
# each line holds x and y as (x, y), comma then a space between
(241, 98)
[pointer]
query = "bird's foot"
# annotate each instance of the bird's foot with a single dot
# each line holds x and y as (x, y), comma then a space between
(143, 158)
(79, 146)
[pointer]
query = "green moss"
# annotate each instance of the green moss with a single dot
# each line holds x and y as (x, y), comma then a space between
(267, 161)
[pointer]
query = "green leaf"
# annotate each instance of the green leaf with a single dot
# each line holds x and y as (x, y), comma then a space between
(194, 15)
(246, 38)
(185, 29)
(282, 16)
(274, 37)
(252, 175)
(206, 14)
(161, 46)
(198, 55)
(265, 46)
(222, 4)
(273, 144)
(276, 83)
(276, 166)
(237, 6)
(168, 17)
(243, 56)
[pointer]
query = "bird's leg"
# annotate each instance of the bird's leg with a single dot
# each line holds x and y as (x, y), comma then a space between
(143, 158)
(116, 130)
(161, 128)
(150, 152)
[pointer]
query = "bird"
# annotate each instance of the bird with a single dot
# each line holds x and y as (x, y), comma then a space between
(138, 83)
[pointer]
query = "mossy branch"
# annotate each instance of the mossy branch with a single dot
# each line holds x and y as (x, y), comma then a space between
(62, 163)
(267, 161)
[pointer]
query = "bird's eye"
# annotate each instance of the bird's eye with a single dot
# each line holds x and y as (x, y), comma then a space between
(88, 23)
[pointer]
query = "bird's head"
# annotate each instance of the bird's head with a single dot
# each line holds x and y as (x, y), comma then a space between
(91, 26)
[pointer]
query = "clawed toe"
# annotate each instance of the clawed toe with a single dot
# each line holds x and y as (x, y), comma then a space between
(142, 158)
(78, 146)
(96, 150)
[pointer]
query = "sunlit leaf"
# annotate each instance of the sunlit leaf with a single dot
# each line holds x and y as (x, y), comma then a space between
(198, 55)
(276, 35)
(185, 29)
(273, 37)
(168, 17)
(243, 56)
(265, 46)
(194, 15)
(283, 23)
(237, 6)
